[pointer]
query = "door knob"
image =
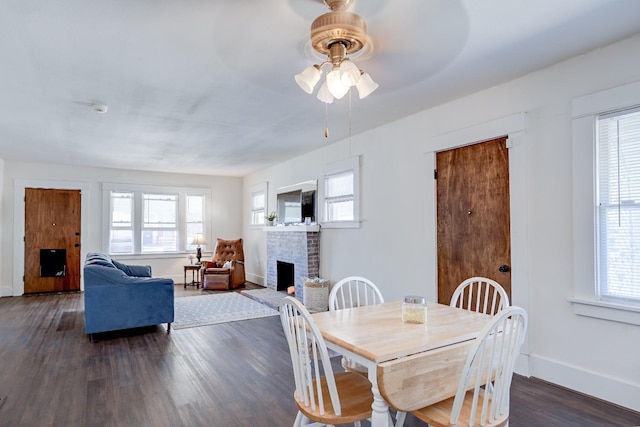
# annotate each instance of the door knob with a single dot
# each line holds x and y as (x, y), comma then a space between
(503, 268)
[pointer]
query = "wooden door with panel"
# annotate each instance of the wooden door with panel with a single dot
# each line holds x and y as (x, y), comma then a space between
(473, 215)
(52, 240)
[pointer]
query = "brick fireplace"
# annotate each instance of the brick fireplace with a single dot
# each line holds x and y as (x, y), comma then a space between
(297, 245)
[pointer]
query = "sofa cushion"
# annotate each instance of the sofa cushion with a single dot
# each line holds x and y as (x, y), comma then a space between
(95, 258)
(133, 270)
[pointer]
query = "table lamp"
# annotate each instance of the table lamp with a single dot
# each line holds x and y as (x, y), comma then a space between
(198, 239)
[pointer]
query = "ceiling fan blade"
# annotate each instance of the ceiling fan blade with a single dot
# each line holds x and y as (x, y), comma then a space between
(413, 40)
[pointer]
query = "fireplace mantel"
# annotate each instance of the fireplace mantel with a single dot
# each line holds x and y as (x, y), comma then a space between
(282, 228)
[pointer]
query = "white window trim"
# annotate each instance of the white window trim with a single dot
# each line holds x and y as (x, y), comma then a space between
(585, 111)
(108, 187)
(352, 163)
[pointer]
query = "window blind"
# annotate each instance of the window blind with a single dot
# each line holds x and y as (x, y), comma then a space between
(619, 205)
(257, 207)
(339, 198)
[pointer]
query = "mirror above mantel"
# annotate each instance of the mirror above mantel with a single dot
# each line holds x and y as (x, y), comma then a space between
(297, 203)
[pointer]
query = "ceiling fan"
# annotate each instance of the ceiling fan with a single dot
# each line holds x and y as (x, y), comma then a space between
(336, 35)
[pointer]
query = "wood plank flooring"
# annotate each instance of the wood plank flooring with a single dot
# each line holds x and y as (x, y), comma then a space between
(234, 374)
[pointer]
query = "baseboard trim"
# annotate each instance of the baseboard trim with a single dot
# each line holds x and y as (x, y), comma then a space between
(254, 278)
(614, 390)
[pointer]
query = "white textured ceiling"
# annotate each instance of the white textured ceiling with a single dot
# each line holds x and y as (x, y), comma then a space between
(206, 86)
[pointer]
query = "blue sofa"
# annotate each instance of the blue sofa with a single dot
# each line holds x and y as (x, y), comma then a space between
(120, 296)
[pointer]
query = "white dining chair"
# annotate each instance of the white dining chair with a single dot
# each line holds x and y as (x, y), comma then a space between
(354, 291)
(322, 397)
(481, 295)
(350, 292)
(490, 362)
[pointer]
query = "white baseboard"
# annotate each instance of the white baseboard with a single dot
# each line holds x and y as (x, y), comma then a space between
(522, 365)
(254, 278)
(614, 390)
(6, 291)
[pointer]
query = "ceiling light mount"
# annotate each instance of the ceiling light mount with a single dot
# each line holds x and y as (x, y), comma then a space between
(100, 108)
(337, 34)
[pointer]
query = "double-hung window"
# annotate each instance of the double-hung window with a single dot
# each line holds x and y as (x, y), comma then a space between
(258, 204)
(341, 194)
(618, 206)
(121, 223)
(606, 204)
(257, 208)
(153, 220)
(160, 223)
(194, 217)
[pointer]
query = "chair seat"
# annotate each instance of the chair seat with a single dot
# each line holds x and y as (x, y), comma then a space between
(356, 398)
(438, 414)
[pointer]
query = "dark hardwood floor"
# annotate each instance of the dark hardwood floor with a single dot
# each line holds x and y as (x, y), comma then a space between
(234, 374)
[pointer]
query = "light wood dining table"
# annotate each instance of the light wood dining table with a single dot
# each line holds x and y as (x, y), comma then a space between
(409, 365)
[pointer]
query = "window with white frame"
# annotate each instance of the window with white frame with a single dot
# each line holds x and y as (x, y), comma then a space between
(121, 223)
(258, 204)
(341, 194)
(195, 218)
(618, 206)
(606, 202)
(257, 207)
(159, 224)
(153, 220)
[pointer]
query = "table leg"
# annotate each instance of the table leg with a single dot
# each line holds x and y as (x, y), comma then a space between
(380, 410)
(185, 278)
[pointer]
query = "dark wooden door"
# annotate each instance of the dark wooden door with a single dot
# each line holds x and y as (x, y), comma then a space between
(52, 224)
(473, 215)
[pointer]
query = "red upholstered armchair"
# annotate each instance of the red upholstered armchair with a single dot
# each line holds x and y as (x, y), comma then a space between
(226, 269)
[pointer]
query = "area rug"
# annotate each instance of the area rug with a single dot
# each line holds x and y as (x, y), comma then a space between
(191, 312)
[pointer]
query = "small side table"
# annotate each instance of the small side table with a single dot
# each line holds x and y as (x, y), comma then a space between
(194, 268)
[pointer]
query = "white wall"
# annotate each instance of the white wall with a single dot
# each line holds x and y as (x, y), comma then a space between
(3, 234)
(395, 248)
(225, 216)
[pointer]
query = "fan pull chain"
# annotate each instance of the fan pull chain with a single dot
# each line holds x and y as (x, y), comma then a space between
(326, 120)
(350, 143)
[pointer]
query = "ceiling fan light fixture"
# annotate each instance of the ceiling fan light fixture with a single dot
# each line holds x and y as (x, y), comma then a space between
(349, 73)
(335, 84)
(324, 95)
(308, 78)
(337, 34)
(366, 85)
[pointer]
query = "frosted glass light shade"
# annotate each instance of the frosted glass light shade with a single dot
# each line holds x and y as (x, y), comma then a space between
(324, 95)
(366, 85)
(334, 82)
(350, 74)
(308, 78)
